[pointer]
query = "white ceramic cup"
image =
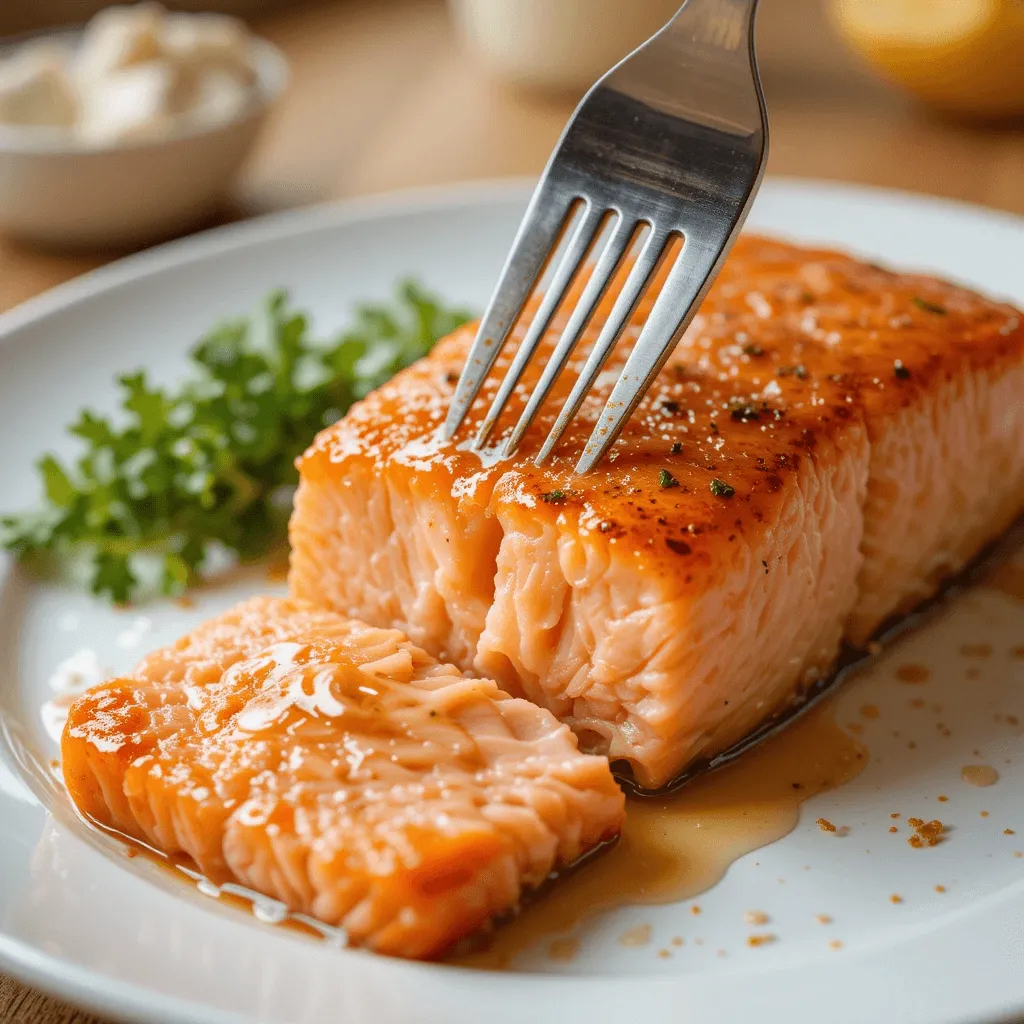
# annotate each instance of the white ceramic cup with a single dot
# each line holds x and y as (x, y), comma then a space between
(557, 44)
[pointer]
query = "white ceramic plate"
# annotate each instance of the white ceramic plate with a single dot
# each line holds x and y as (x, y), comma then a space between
(80, 919)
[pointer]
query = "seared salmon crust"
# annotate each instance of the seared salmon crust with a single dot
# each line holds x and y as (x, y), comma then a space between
(339, 768)
(827, 443)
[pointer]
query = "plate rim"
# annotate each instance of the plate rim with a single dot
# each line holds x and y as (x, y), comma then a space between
(122, 1000)
(226, 238)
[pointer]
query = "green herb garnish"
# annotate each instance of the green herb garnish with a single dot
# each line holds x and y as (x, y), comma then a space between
(929, 307)
(754, 351)
(799, 371)
(900, 370)
(743, 412)
(720, 489)
(677, 447)
(666, 479)
(553, 497)
(209, 465)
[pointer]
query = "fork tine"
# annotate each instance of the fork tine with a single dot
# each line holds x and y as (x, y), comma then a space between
(622, 310)
(688, 281)
(582, 238)
(536, 240)
(604, 270)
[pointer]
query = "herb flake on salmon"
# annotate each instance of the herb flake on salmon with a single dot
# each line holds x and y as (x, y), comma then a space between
(663, 641)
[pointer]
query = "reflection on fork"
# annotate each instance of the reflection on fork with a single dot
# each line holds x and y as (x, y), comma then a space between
(662, 158)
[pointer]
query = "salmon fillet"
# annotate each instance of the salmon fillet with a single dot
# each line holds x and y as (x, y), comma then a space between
(828, 441)
(340, 769)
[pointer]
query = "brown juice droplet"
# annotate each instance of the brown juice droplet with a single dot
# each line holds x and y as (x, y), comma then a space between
(979, 775)
(913, 674)
(1007, 579)
(277, 570)
(183, 869)
(639, 935)
(976, 650)
(926, 833)
(564, 950)
(675, 847)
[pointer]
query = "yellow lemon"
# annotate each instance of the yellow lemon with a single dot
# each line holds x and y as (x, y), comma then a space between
(964, 56)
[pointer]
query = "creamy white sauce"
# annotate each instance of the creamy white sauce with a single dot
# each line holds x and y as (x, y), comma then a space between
(78, 672)
(71, 677)
(133, 635)
(137, 73)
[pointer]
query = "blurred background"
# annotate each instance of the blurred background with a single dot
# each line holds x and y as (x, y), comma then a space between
(385, 94)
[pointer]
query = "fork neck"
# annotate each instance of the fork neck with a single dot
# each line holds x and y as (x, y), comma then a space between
(701, 66)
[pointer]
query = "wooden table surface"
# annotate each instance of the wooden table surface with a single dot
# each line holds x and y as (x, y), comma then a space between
(382, 97)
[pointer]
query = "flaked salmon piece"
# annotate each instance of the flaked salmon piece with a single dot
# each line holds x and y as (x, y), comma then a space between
(339, 768)
(828, 440)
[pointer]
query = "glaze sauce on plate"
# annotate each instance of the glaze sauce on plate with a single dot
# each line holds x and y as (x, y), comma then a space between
(672, 847)
(677, 846)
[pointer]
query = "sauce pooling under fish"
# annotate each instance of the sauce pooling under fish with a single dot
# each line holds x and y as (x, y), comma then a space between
(675, 847)
(826, 444)
(341, 770)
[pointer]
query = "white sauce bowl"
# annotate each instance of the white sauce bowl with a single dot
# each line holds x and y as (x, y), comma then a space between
(66, 193)
(557, 44)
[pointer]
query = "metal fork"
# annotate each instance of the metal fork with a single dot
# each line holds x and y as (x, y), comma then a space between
(675, 137)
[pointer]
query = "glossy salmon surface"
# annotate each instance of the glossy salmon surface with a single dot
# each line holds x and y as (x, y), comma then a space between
(340, 769)
(829, 441)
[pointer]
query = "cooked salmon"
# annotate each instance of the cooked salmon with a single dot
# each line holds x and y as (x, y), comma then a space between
(341, 769)
(828, 441)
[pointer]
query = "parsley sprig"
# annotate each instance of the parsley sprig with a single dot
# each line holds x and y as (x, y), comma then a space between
(209, 465)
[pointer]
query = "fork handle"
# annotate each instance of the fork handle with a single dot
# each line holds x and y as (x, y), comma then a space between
(708, 46)
(723, 24)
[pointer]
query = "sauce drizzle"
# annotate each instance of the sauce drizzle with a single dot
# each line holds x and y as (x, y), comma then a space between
(676, 846)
